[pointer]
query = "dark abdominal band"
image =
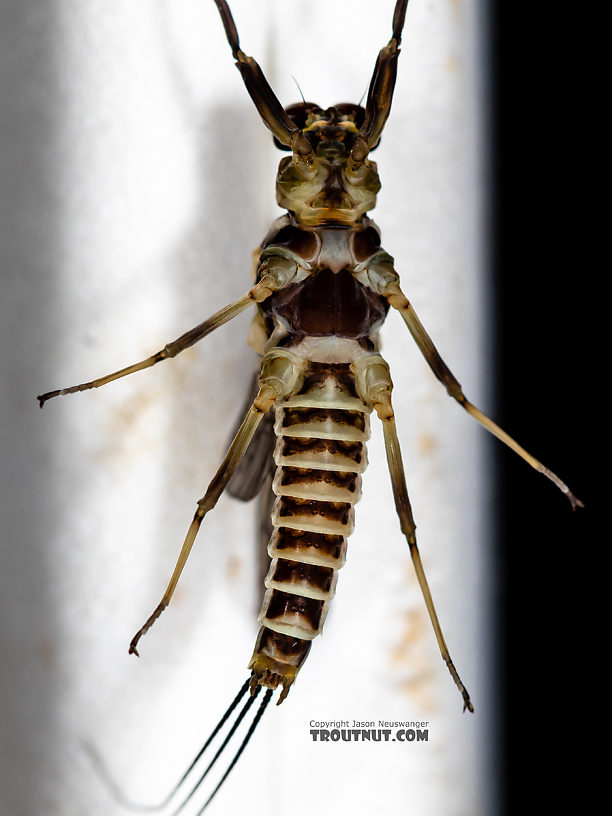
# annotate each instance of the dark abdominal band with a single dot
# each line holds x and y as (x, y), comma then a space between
(320, 455)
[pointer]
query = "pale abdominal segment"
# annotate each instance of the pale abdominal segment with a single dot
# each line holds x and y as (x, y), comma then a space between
(320, 454)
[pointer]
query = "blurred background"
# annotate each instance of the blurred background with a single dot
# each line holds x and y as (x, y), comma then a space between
(136, 181)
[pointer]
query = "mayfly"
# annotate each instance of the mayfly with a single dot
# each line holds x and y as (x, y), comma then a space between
(323, 288)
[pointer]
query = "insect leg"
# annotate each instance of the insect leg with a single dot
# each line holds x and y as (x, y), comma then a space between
(270, 109)
(380, 93)
(404, 511)
(377, 388)
(278, 376)
(385, 278)
(256, 294)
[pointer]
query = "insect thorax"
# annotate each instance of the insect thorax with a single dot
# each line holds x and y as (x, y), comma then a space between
(327, 290)
(327, 192)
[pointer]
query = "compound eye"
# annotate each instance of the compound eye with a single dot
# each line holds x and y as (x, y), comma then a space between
(300, 112)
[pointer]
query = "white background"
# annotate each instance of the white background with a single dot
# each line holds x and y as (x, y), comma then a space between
(137, 179)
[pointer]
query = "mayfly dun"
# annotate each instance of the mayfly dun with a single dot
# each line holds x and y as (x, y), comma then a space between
(323, 288)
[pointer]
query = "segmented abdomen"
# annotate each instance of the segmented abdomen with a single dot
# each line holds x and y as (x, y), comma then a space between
(320, 455)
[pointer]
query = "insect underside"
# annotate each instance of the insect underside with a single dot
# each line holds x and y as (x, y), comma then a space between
(323, 288)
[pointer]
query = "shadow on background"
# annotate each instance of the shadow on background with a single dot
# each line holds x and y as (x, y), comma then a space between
(29, 250)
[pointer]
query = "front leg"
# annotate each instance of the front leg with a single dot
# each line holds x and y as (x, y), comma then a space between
(277, 279)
